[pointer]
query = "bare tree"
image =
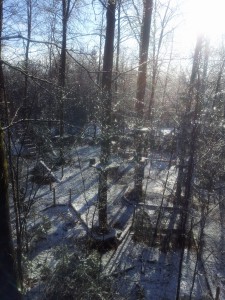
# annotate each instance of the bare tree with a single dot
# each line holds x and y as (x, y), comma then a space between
(118, 44)
(8, 276)
(106, 113)
(188, 145)
(183, 135)
(62, 70)
(140, 93)
(164, 30)
(29, 8)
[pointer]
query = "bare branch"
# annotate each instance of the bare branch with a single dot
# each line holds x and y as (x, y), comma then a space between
(29, 120)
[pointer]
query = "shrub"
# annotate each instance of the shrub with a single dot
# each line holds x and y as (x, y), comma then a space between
(78, 278)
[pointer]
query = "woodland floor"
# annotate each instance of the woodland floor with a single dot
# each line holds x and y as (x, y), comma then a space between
(138, 264)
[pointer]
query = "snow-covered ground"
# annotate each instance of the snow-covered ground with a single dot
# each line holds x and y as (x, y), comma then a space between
(136, 267)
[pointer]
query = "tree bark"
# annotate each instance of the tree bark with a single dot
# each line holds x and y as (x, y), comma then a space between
(62, 72)
(62, 68)
(194, 94)
(143, 57)
(140, 93)
(118, 46)
(8, 276)
(29, 23)
(106, 113)
(183, 135)
(155, 70)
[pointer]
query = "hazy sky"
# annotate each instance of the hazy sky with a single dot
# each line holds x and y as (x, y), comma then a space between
(195, 16)
(201, 16)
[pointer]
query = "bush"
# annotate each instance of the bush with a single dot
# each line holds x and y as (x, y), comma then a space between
(78, 278)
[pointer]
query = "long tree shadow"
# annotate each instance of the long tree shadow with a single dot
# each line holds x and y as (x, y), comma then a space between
(222, 230)
(171, 229)
(94, 198)
(62, 225)
(138, 268)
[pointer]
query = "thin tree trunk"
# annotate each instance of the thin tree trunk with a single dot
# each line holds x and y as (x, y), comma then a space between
(140, 93)
(194, 93)
(4, 119)
(29, 22)
(183, 135)
(118, 46)
(100, 50)
(143, 57)
(62, 72)
(156, 64)
(200, 246)
(8, 276)
(218, 95)
(106, 113)
(167, 76)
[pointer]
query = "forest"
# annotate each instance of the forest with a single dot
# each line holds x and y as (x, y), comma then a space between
(112, 149)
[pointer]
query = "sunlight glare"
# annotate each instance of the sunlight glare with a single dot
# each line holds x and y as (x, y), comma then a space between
(206, 17)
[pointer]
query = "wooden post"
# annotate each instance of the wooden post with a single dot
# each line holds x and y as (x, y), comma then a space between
(54, 200)
(62, 171)
(217, 293)
(92, 161)
(70, 198)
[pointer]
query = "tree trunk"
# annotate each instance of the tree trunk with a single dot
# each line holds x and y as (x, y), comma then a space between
(156, 52)
(183, 136)
(118, 46)
(29, 23)
(194, 94)
(140, 93)
(8, 277)
(143, 57)
(62, 72)
(100, 49)
(106, 113)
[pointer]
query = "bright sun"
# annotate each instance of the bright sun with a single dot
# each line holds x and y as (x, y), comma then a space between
(206, 16)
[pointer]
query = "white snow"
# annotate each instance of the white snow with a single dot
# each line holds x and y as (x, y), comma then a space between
(134, 266)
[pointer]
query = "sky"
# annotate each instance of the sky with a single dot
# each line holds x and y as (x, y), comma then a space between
(192, 18)
(201, 17)
(198, 16)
